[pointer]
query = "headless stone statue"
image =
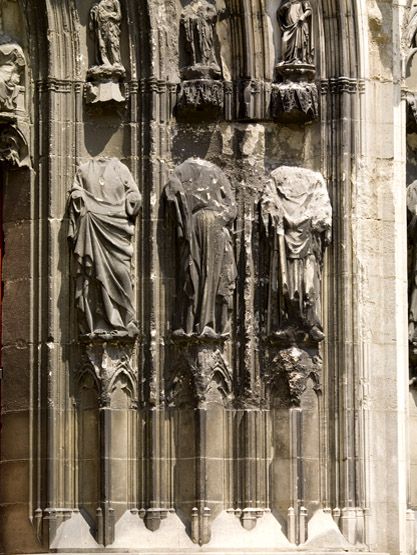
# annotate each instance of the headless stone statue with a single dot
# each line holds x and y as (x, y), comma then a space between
(297, 215)
(295, 20)
(198, 22)
(204, 208)
(104, 203)
(105, 18)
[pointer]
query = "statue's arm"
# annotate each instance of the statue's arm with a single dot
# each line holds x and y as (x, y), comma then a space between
(93, 18)
(76, 204)
(308, 11)
(117, 11)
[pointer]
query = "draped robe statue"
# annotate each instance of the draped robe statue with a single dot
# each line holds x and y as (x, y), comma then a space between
(204, 208)
(105, 18)
(297, 216)
(412, 263)
(198, 21)
(295, 20)
(104, 202)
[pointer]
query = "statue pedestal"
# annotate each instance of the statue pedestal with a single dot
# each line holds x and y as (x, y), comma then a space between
(294, 99)
(201, 99)
(104, 84)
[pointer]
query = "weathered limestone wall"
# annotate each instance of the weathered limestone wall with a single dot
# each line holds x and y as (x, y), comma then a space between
(271, 426)
(380, 246)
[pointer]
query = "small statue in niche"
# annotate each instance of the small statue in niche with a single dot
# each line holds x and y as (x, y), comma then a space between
(295, 20)
(198, 24)
(104, 77)
(12, 64)
(105, 18)
(204, 208)
(294, 95)
(297, 216)
(412, 266)
(104, 202)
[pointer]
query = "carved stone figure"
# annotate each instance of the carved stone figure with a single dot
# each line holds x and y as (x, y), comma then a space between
(411, 31)
(297, 216)
(295, 20)
(12, 63)
(105, 18)
(198, 22)
(104, 203)
(104, 78)
(412, 266)
(204, 208)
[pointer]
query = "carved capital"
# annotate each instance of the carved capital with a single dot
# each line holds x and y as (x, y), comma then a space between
(202, 98)
(294, 102)
(294, 367)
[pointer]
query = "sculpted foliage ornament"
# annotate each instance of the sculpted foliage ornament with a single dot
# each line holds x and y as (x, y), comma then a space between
(104, 77)
(297, 217)
(104, 202)
(294, 367)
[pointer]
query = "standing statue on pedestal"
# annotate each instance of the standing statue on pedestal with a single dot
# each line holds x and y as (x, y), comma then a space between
(104, 77)
(294, 96)
(105, 18)
(198, 23)
(412, 265)
(204, 208)
(104, 202)
(297, 217)
(295, 20)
